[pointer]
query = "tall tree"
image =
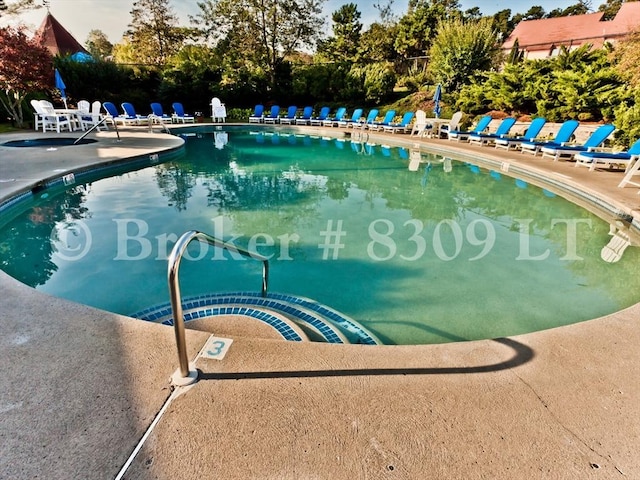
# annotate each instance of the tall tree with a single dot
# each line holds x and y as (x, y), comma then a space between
(347, 28)
(98, 44)
(610, 8)
(502, 23)
(580, 8)
(153, 33)
(262, 32)
(26, 67)
(376, 44)
(534, 13)
(385, 10)
(417, 28)
(461, 49)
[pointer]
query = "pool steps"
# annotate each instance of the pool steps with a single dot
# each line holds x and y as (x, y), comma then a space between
(317, 321)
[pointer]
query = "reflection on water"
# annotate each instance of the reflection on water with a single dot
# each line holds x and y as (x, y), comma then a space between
(418, 247)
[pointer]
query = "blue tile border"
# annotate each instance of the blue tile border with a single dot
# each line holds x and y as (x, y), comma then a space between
(278, 302)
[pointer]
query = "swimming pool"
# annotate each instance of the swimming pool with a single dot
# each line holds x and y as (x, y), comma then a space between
(424, 251)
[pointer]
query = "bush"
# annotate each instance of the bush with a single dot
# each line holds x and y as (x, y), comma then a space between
(627, 119)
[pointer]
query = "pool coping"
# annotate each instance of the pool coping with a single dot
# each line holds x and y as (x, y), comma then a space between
(80, 387)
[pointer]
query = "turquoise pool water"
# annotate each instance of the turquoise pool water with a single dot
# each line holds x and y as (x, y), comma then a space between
(422, 251)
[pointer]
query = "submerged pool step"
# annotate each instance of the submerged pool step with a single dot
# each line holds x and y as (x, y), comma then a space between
(319, 322)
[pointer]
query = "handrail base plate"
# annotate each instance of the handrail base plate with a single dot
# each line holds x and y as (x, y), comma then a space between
(179, 381)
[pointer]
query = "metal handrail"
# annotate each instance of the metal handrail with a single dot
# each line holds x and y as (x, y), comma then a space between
(95, 126)
(152, 118)
(174, 287)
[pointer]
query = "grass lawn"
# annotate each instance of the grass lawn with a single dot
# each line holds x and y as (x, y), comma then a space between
(8, 128)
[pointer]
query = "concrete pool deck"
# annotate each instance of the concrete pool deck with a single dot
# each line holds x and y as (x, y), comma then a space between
(80, 386)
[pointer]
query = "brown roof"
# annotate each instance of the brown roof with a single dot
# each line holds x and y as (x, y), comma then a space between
(56, 38)
(628, 18)
(574, 30)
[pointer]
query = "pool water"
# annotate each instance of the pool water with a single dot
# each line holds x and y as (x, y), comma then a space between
(48, 142)
(417, 252)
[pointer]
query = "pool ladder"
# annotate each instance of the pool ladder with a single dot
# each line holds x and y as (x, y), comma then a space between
(184, 375)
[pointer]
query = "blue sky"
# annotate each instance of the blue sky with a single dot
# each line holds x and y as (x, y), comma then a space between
(112, 16)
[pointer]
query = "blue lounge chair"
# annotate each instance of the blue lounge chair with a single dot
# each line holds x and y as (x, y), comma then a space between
(387, 120)
(111, 113)
(463, 136)
(274, 115)
(179, 115)
(130, 114)
(371, 117)
(403, 126)
(567, 152)
(257, 115)
(291, 115)
(158, 113)
(594, 159)
(305, 118)
(514, 142)
(562, 136)
(355, 118)
(331, 121)
(322, 116)
(487, 138)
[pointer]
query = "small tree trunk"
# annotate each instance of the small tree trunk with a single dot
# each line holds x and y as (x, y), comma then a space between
(14, 108)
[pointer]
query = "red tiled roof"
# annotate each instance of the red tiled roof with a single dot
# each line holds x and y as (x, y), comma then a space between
(574, 30)
(56, 38)
(628, 18)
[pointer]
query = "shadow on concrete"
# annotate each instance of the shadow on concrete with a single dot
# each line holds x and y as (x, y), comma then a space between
(523, 354)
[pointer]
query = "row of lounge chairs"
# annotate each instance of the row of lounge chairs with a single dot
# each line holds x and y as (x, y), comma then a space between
(415, 123)
(588, 154)
(88, 115)
(129, 116)
(339, 119)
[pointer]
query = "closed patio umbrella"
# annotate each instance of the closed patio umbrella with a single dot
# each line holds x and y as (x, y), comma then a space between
(61, 86)
(436, 101)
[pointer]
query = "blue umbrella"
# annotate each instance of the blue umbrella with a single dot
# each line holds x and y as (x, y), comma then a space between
(436, 101)
(61, 86)
(81, 57)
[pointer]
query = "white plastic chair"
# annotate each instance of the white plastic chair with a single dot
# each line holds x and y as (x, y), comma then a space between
(48, 118)
(420, 124)
(633, 170)
(84, 106)
(218, 110)
(90, 118)
(451, 126)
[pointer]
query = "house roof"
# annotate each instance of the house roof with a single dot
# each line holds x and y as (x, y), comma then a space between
(575, 29)
(56, 38)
